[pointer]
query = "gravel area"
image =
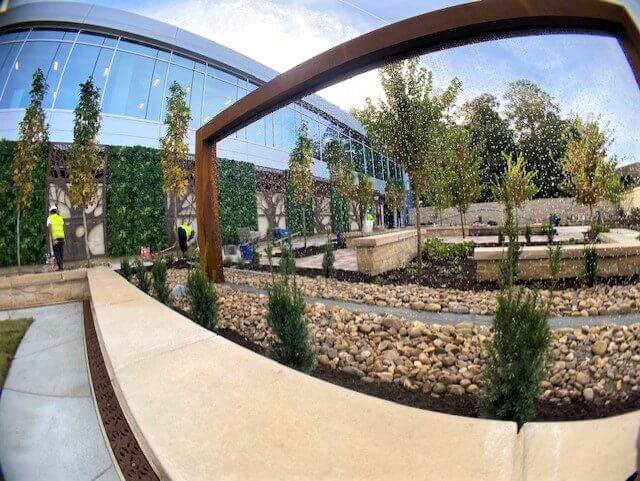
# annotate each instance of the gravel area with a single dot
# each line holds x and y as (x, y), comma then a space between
(583, 302)
(595, 364)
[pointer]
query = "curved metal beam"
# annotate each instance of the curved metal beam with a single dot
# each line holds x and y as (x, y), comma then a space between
(458, 25)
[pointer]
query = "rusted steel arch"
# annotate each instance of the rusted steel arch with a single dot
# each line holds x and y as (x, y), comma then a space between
(458, 25)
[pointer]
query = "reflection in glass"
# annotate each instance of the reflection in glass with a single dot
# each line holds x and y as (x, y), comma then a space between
(34, 55)
(156, 97)
(128, 86)
(218, 95)
(85, 61)
(55, 71)
(196, 99)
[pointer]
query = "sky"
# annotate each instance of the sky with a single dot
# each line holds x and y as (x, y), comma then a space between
(586, 75)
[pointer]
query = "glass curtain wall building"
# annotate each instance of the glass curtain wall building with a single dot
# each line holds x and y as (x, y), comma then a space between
(134, 75)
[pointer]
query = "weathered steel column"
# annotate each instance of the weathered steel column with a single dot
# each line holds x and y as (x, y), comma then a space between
(208, 209)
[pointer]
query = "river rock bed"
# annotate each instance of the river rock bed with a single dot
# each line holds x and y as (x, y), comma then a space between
(597, 364)
(583, 302)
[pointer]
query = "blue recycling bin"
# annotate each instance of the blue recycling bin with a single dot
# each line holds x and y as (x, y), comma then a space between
(281, 233)
(246, 250)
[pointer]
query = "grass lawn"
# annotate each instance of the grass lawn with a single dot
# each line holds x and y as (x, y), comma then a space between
(11, 333)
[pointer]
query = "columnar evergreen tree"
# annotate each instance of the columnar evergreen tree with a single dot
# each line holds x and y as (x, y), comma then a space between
(406, 125)
(29, 151)
(83, 159)
(463, 174)
(395, 198)
(174, 148)
(300, 163)
(590, 176)
(535, 118)
(490, 136)
(516, 186)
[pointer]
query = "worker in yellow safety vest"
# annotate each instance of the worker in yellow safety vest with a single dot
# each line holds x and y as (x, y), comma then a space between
(186, 236)
(55, 225)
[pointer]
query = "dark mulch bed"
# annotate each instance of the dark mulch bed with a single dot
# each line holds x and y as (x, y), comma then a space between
(466, 405)
(443, 276)
(299, 252)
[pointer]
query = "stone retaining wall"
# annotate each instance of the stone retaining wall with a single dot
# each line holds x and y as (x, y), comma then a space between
(618, 255)
(33, 290)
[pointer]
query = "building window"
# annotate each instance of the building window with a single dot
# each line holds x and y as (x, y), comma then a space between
(85, 61)
(218, 95)
(34, 55)
(156, 97)
(128, 86)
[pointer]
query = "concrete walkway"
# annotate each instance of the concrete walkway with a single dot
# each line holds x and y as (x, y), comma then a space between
(450, 318)
(48, 425)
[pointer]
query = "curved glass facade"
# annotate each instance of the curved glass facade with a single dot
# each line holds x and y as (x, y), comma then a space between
(134, 79)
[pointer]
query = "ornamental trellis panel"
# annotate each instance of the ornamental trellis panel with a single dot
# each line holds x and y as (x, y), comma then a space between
(58, 194)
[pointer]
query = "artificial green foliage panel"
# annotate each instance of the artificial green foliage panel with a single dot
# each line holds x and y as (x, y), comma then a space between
(237, 189)
(136, 205)
(339, 213)
(33, 226)
(294, 210)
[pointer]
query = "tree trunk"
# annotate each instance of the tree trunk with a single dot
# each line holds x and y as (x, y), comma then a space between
(86, 235)
(462, 223)
(175, 224)
(304, 226)
(18, 236)
(419, 240)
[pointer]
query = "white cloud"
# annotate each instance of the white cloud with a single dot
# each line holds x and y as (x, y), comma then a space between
(585, 75)
(278, 35)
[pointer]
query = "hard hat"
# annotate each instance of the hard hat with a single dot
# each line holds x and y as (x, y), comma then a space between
(52, 207)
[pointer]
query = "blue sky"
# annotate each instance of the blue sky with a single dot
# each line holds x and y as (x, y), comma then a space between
(585, 74)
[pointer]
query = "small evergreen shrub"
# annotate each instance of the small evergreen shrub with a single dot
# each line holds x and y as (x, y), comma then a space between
(555, 265)
(269, 251)
(292, 346)
(125, 269)
(327, 261)
(287, 261)
(142, 277)
(500, 236)
(203, 299)
(527, 233)
(517, 357)
(227, 261)
(597, 229)
(160, 286)
(437, 250)
(549, 231)
(590, 268)
(255, 259)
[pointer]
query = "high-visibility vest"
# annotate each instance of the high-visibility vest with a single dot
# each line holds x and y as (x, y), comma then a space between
(187, 230)
(57, 226)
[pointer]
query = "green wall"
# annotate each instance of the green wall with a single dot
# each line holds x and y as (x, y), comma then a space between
(33, 220)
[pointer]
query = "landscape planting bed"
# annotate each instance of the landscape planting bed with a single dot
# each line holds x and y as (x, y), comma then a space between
(594, 370)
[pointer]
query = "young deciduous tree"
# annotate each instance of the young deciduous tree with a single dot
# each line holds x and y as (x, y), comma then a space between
(362, 196)
(590, 176)
(516, 186)
(395, 198)
(300, 163)
(173, 146)
(341, 176)
(82, 158)
(463, 172)
(29, 150)
(405, 124)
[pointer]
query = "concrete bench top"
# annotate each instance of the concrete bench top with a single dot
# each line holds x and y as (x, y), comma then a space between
(205, 408)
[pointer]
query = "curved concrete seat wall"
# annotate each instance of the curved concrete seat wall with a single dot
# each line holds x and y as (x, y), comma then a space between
(205, 408)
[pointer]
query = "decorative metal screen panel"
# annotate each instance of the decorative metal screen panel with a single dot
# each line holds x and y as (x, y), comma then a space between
(58, 194)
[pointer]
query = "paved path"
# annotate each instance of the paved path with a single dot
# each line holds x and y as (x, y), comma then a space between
(48, 425)
(450, 318)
